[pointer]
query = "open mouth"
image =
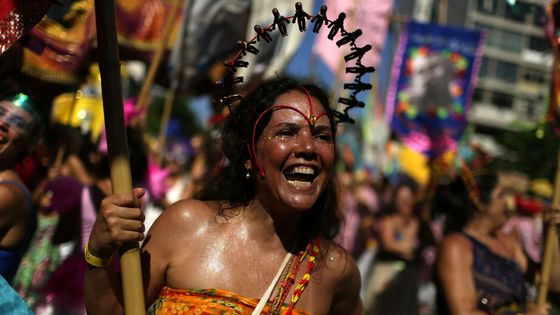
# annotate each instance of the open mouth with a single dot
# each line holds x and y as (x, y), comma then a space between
(3, 140)
(301, 176)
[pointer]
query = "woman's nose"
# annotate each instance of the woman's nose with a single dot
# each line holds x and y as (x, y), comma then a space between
(305, 142)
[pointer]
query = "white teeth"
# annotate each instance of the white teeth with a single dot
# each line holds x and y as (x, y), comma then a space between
(302, 170)
(299, 184)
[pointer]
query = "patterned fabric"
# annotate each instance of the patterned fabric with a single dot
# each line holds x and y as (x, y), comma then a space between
(38, 263)
(10, 301)
(499, 281)
(58, 46)
(207, 302)
(17, 17)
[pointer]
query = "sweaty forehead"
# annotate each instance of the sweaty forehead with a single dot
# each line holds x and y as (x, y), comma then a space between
(294, 101)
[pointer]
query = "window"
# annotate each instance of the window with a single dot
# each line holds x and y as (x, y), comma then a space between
(483, 72)
(539, 17)
(502, 100)
(531, 109)
(491, 39)
(517, 11)
(506, 71)
(534, 77)
(487, 6)
(511, 42)
(478, 95)
(538, 44)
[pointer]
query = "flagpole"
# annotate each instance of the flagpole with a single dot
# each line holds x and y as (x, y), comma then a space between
(442, 17)
(121, 180)
(549, 242)
(155, 62)
(165, 116)
(551, 228)
(62, 148)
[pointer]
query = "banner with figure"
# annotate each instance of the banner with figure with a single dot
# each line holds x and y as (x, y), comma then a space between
(432, 82)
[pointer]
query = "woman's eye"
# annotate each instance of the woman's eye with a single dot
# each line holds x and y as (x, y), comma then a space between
(324, 137)
(285, 133)
(17, 122)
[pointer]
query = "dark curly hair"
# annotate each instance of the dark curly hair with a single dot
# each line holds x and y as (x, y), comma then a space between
(230, 184)
(454, 202)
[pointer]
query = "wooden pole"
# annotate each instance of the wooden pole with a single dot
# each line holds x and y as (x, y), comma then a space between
(549, 242)
(154, 65)
(121, 180)
(165, 115)
(62, 149)
(442, 17)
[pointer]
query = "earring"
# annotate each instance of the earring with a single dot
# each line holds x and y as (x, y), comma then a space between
(248, 167)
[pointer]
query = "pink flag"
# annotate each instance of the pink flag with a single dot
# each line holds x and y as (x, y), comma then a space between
(371, 16)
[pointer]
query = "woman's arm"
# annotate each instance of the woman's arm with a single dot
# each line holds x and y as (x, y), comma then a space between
(119, 221)
(454, 271)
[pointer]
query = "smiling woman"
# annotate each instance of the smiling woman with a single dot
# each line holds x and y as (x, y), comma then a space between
(20, 126)
(259, 236)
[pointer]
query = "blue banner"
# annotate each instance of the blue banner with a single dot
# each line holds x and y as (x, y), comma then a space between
(432, 82)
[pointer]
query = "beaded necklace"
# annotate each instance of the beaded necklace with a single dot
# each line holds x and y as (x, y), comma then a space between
(312, 250)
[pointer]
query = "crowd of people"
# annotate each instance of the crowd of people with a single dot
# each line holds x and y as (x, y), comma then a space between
(254, 217)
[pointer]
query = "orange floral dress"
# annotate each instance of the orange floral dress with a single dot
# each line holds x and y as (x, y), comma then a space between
(208, 302)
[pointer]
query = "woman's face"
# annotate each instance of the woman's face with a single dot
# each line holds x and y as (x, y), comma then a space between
(496, 209)
(14, 126)
(404, 200)
(297, 157)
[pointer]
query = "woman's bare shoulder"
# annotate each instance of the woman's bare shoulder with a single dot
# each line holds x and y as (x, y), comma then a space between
(344, 277)
(455, 246)
(458, 240)
(184, 213)
(339, 263)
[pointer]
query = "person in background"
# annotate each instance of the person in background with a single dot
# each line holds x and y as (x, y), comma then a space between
(20, 129)
(394, 283)
(481, 270)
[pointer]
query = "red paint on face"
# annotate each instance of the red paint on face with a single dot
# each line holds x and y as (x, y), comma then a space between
(296, 157)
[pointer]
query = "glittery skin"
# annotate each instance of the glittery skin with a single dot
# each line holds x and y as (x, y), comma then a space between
(22, 18)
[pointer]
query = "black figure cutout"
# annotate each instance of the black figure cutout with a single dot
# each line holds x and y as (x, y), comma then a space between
(245, 47)
(349, 38)
(358, 52)
(300, 15)
(319, 19)
(342, 117)
(262, 33)
(360, 70)
(233, 64)
(227, 81)
(358, 86)
(280, 20)
(336, 25)
(229, 99)
(351, 102)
